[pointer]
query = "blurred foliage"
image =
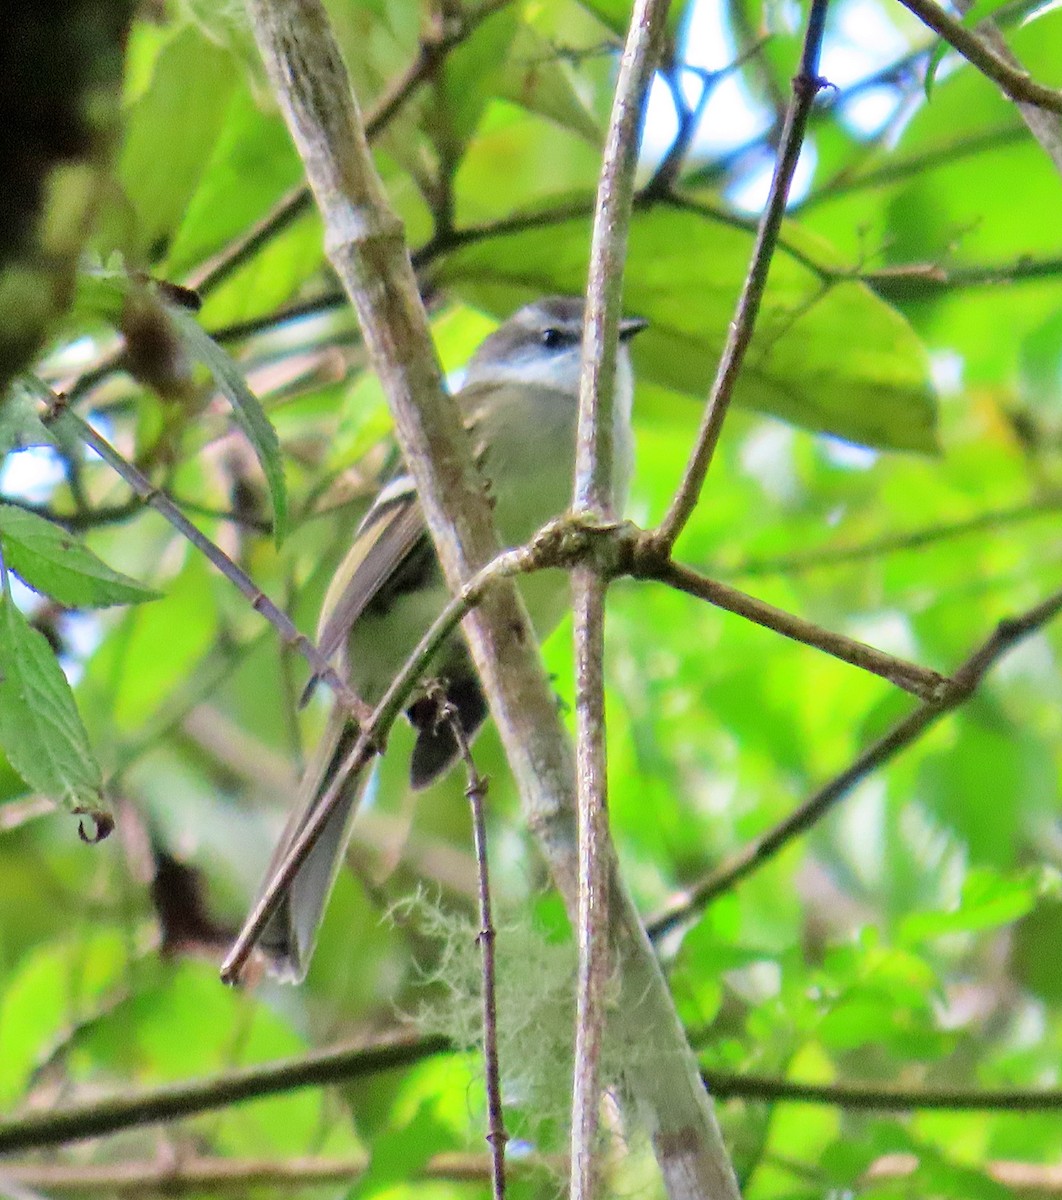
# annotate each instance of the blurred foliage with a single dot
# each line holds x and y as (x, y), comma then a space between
(893, 471)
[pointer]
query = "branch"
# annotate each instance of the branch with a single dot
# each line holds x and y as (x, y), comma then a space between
(898, 168)
(915, 281)
(372, 733)
(806, 86)
(731, 871)
(365, 246)
(1042, 125)
(214, 1175)
(92, 1118)
(594, 497)
(1015, 83)
(475, 793)
(349, 1061)
(883, 1098)
(59, 414)
(927, 684)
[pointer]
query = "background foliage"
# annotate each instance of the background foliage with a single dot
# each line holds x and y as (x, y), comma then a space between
(893, 473)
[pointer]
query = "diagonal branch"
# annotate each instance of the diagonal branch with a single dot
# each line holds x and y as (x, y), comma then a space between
(1015, 82)
(927, 684)
(61, 415)
(806, 85)
(91, 1118)
(731, 871)
(1042, 125)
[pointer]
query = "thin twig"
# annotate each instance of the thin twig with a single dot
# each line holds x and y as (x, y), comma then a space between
(882, 1097)
(1015, 82)
(806, 85)
(922, 682)
(347, 1061)
(372, 733)
(61, 416)
(476, 792)
(917, 164)
(965, 681)
(16, 813)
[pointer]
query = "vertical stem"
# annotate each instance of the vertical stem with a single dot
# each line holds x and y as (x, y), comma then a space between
(496, 1135)
(476, 791)
(594, 859)
(594, 495)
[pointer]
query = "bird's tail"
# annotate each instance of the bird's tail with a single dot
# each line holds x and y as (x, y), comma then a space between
(289, 936)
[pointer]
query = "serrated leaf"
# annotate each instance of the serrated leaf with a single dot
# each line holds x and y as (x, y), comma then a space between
(40, 728)
(245, 406)
(53, 561)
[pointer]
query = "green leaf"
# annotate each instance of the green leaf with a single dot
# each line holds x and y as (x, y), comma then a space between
(684, 272)
(988, 901)
(533, 77)
(51, 560)
(245, 406)
(20, 426)
(170, 131)
(40, 728)
(397, 1154)
(53, 987)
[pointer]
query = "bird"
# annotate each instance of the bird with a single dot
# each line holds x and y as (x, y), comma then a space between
(519, 402)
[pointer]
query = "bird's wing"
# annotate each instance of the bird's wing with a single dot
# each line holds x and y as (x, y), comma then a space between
(390, 542)
(392, 548)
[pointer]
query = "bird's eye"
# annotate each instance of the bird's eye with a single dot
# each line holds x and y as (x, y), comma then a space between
(552, 338)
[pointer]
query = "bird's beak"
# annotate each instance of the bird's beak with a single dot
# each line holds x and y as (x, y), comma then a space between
(629, 326)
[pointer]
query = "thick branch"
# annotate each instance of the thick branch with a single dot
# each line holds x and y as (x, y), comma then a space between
(365, 245)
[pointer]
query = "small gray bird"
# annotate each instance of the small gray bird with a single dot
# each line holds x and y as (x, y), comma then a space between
(519, 403)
